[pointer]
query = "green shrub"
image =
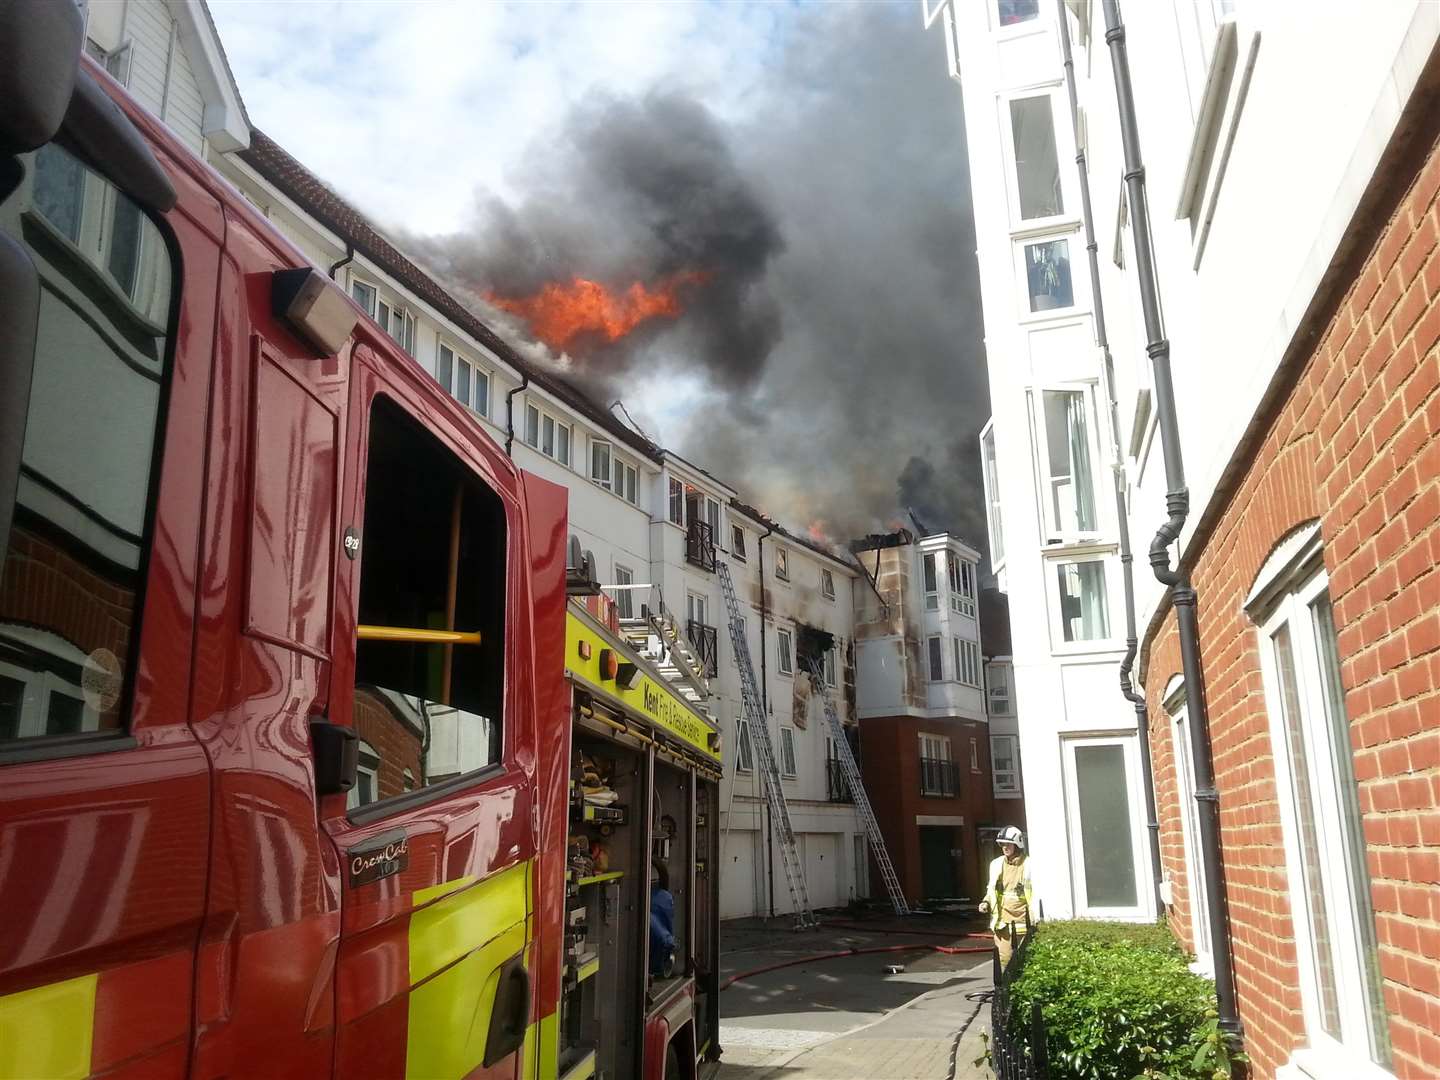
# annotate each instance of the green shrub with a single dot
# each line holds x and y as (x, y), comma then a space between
(1117, 1001)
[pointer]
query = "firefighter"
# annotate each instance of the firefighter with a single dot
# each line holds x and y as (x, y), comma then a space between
(1010, 896)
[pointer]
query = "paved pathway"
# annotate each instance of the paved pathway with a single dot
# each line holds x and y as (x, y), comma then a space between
(847, 1018)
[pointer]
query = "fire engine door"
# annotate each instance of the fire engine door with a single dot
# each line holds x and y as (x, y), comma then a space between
(435, 840)
(104, 792)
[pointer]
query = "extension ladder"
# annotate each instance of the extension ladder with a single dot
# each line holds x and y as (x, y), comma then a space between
(851, 772)
(765, 752)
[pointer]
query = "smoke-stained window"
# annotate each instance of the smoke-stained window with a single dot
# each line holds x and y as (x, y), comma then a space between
(827, 583)
(783, 649)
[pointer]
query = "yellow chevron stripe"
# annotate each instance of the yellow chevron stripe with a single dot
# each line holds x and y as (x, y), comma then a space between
(48, 1031)
(457, 945)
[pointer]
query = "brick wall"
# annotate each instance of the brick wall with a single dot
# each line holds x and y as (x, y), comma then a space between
(890, 752)
(1356, 445)
(395, 742)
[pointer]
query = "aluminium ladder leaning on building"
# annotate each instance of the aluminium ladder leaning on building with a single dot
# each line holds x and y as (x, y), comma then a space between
(765, 751)
(813, 667)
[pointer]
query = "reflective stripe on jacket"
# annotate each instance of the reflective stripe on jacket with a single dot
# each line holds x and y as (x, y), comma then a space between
(993, 893)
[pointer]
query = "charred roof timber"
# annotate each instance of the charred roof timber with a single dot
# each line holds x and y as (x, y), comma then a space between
(878, 541)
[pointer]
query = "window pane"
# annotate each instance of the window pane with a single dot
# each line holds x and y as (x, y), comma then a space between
(1047, 271)
(744, 758)
(677, 503)
(435, 727)
(992, 488)
(364, 296)
(1037, 167)
(1067, 436)
(737, 541)
(481, 404)
(787, 751)
(462, 382)
(937, 667)
(600, 462)
(1084, 610)
(1303, 797)
(632, 485)
(444, 367)
(1103, 797)
(1357, 870)
(532, 425)
(547, 436)
(625, 601)
(71, 583)
(125, 233)
(59, 190)
(1194, 868)
(1017, 11)
(783, 643)
(562, 444)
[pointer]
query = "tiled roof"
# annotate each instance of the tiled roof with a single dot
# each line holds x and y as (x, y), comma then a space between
(834, 554)
(309, 192)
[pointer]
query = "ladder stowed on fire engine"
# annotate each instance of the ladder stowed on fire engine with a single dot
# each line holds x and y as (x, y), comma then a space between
(851, 772)
(765, 752)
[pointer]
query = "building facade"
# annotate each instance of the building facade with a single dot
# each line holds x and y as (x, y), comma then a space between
(1295, 259)
(1046, 457)
(920, 697)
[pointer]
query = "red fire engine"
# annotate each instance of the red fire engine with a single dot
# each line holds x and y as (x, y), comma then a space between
(309, 763)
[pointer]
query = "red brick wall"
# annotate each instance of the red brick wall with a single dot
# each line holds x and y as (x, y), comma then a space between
(890, 756)
(1357, 445)
(397, 745)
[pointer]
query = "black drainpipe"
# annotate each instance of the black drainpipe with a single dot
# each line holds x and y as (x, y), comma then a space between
(510, 415)
(1177, 503)
(349, 258)
(1102, 339)
(765, 716)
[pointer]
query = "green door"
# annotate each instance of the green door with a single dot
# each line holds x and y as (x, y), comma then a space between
(937, 863)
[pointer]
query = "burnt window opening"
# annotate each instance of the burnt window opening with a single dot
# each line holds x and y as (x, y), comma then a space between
(434, 709)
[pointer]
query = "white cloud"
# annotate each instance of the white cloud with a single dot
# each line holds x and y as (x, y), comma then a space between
(409, 108)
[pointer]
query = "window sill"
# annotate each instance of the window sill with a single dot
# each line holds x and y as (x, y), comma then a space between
(1009, 794)
(1308, 1063)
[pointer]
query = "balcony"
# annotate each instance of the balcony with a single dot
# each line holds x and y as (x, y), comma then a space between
(939, 778)
(700, 545)
(705, 641)
(838, 789)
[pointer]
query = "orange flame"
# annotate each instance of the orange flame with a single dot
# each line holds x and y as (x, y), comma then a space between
(817, 532)
(558, 314)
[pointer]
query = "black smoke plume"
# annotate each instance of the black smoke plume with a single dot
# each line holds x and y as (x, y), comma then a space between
(838, 334)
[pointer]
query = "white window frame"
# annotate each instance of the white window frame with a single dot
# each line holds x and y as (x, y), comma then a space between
(1079, 285)
(536, 438)
(1064, 152)
(1134, 800)
(677, 502)
(737, 543)
(960, 579)
(935, 658)
(935, 747)
(1005, 783)
(1056, 532)
(625, 598)
(967, 661)
(975, 755)
(1039, 24)
(697, 608)
(39, 687)
(744, 749)
(1058, 644)
(993, 700)
(827, 583)
(782, 564)
(783, 648)
(994, 516)
(478, 375)
(930, 579)
(368, 767)
(1177, 708)
(831, 665)
(1286, 603)
(789, 764)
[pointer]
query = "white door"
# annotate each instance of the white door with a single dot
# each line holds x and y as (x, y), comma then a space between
(822, 869)
(738, 886)
(1106, 830)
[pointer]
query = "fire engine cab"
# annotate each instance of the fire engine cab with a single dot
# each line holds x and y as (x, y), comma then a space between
(319, 753)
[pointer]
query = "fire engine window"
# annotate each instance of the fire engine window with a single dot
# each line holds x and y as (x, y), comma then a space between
(432, 558)
(73, 570)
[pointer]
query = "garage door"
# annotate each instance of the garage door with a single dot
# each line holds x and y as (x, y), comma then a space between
(737, 874)
(822, 869)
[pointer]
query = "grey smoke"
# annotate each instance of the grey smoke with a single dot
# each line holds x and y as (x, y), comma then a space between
(840, 331)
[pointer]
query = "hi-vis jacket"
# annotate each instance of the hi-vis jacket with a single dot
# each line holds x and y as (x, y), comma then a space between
(995, 892)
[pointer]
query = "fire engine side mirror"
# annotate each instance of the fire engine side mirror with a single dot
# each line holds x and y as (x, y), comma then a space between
(337, 757)
(40, 44)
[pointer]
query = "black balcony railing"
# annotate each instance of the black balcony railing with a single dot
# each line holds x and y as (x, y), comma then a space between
(700, 545)
(939, 778)
(705, 641)
(839, 790)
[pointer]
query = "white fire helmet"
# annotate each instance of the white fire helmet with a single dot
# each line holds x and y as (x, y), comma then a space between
(1011, 835)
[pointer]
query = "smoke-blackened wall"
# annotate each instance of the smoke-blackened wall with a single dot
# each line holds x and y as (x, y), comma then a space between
(836, 331)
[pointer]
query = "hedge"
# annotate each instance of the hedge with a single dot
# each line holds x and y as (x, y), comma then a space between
(1118, 1001)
